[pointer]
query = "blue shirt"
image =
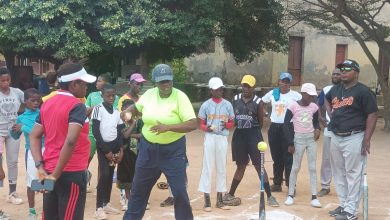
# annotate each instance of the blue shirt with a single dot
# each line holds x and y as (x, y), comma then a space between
(27, 119)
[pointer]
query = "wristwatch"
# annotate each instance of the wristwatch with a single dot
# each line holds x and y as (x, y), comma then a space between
(39, 163)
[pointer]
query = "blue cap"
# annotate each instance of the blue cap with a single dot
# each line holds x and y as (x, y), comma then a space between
(285, 75)
(162, 72)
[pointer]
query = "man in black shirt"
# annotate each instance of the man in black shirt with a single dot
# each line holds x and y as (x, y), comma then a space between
(353, 111)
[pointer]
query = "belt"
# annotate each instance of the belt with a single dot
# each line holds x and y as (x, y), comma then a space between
(346, 134)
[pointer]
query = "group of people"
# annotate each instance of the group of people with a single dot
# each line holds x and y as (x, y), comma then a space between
(144, 136)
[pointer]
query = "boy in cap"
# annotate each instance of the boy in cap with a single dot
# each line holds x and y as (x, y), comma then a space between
(353, 114)
(280, 98)
(304, 115)
(216, 117)
(248, 111)
(65, 160)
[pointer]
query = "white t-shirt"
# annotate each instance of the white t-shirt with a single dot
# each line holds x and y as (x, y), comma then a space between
(326, 89)
(279, 107)
(9, 106)
(108, 122)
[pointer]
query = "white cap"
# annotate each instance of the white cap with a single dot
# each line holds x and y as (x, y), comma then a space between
(79, 75)
(309, 88)
(215, 83)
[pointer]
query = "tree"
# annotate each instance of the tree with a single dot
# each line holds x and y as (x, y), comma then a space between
(162, 29)
(361, 19)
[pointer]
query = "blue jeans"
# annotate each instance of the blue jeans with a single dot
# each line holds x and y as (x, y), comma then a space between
(154, 159)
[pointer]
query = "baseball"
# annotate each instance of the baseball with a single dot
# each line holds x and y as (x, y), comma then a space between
(262, 146)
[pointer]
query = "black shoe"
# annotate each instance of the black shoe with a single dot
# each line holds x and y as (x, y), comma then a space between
(167, 202)
(346, 216)
(323, 192)
(276, 188)
(338, 211)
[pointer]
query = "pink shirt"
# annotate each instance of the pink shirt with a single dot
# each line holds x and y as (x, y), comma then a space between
(303, 117)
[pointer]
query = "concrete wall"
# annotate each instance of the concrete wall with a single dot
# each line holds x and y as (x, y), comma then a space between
(318, 61)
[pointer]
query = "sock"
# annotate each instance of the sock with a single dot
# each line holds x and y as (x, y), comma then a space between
(234, 186)
(32, 211)
(267, 189)
(313, 197)
(12, 188)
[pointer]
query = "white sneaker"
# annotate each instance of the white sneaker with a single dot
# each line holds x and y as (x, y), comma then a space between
(316, 203)
(148, 206)
(100, 214)
(14, 199)
(123, 200)
(89, 189)
(4, 216)
(124, 204)
(32, 216)
(110, 210)
(289, 200)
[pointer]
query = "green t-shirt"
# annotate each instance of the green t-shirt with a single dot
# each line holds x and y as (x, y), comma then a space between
(94, 99)
(175, 109)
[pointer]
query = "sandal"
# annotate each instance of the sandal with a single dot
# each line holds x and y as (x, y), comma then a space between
(162, 185)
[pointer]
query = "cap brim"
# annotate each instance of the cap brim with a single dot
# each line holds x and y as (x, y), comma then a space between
(162, 78)
(216, 87)
(88, 78)
(249, 84)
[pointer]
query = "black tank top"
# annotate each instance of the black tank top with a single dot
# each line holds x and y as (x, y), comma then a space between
(246, 113)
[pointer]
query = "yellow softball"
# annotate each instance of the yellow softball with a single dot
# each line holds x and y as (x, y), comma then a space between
(262, 146)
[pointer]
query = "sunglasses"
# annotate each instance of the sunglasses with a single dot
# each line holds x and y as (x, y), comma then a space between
(346, 69)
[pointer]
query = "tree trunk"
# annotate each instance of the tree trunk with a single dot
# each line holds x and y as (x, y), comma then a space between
(386, 102)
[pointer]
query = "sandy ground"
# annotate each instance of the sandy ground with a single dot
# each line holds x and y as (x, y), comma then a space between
(248, 190)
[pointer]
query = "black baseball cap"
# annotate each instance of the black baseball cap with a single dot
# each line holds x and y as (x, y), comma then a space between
(349, 63)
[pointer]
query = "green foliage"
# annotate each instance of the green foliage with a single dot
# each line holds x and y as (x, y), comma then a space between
(178, 67)
(164, 29)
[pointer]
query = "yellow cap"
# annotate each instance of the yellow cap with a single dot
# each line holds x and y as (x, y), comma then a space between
(249, 79)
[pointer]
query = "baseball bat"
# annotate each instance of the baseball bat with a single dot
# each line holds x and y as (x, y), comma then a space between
(365, 191)
(262, 200)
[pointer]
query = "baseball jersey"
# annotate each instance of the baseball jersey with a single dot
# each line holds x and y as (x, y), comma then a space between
(350, 107)
(246, 112)
(215, 113)
(279, 107)
(108, 122)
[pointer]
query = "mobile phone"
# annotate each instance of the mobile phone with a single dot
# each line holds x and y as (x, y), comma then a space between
(47, 185)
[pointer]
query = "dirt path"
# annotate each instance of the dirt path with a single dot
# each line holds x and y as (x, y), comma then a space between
(248, 190)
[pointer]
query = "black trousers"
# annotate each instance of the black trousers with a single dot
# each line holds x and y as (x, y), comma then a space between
(279, 151)
(104, 185)
(67, 200)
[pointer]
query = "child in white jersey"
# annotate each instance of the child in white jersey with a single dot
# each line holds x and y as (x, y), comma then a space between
(107, 130)
(216, 117)
(304, 115)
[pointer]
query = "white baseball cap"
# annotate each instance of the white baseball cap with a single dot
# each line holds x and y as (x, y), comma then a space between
(79, 75)
(215, 83)
(309, 88)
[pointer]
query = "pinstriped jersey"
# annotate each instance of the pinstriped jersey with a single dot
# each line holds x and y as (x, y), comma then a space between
(246, 113)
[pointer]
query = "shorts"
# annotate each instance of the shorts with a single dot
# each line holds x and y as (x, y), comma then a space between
(31, 173)
(126, 169)
(244, 145)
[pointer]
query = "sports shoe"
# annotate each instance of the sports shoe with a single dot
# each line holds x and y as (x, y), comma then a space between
(167, 202)
(124, 204)
(323, 192)
(222, 206)
(14, 199)
(315, 203)
(346, 216)
(4, 216)
(100, 214)
(339, 210)
(147, 206)
(276, 188)
(289, 200)
(89, 189)
(31, 216)
(231, 200)
(110, 210)
(272, 202)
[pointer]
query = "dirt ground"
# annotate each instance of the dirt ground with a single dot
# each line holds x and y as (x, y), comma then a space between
(248, 190)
